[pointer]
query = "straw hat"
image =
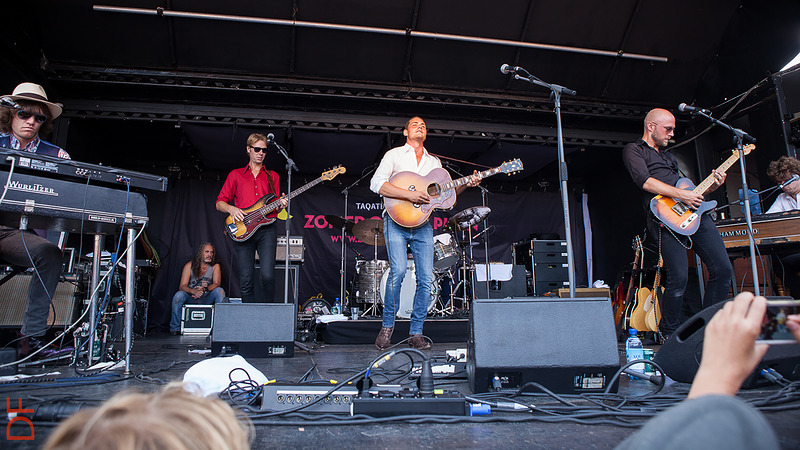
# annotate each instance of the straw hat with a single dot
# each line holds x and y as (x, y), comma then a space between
(34, 92)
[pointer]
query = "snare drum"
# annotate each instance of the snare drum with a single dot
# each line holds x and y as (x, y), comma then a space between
(369, 276)
(445, 252)
(407, 290)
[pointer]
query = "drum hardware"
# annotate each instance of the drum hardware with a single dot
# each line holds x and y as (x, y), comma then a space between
(408, 288)
(463, 222)
(370, 231)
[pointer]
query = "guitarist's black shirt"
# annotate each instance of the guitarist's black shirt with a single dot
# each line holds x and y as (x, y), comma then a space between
(643, 162)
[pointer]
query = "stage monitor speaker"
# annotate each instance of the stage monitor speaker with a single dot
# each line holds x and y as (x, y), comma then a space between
(254, 330)
(258, 290)
(566, 345)
(515, 287)
(14, 298)
(681, 354)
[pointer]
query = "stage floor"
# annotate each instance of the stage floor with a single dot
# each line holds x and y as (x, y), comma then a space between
(158, 359)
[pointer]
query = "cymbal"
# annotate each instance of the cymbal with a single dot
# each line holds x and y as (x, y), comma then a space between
(367, 229)
(339, 223)
(469, 217)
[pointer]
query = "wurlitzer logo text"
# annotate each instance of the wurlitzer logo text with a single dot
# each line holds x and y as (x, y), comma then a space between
(34, 188)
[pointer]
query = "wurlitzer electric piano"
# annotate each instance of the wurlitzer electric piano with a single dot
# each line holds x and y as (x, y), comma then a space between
(66, 195)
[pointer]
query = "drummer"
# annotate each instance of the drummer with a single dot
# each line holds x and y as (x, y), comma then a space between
(411, 157)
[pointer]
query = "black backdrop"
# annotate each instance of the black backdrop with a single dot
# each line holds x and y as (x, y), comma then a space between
(190, 219)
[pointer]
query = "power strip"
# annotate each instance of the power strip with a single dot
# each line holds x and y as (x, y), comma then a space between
(280, 397)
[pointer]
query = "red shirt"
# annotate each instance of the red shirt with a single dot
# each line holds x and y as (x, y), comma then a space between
(242, 190)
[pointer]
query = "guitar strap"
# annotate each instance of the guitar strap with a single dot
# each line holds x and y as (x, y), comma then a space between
(272, 184)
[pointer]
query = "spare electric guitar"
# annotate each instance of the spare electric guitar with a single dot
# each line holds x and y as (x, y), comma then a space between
(679, 216)
(623, 298)
(256, 215)
(439, 187)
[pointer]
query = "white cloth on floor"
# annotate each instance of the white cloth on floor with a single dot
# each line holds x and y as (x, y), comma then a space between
(215, 374)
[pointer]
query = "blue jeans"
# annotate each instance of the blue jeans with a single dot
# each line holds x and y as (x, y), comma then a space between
(265, 240)
(398, 238)
(181, 298)
(707, 243)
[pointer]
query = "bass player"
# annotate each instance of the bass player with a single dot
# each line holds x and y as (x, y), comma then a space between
(411, 157)
(244, 187)
(655, 171)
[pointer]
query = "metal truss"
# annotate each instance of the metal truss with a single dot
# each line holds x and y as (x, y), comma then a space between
(492, 115)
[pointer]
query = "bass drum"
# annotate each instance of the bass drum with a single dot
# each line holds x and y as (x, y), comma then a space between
(369, 277)
(407, 291)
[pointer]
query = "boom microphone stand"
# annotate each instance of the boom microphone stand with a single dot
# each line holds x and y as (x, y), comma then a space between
(739, 137)
(555, 94)
(290, 165)
(484, 191)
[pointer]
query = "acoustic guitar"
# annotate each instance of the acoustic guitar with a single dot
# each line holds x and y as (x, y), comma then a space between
(679, 216)
(439, 187)
(633, 300)
(638, 314)
(255, 216)
(652, 309)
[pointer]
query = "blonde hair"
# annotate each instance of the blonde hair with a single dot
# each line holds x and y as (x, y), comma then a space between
(171, 419)
(255, 137)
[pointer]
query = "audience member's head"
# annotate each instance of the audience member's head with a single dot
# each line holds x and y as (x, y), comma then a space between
(172, 419)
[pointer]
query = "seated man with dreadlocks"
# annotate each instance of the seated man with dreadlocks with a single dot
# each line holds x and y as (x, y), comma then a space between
(200, 282)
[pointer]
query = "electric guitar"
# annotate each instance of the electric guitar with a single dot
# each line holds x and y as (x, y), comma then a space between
(633, 300)
(623, 299)
(439, 187)
(652, 309)
(256, 215)
(679, 216)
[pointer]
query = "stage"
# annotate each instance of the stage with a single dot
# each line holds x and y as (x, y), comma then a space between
(158, 359)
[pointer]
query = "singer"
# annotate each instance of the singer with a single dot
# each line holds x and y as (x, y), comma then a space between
(655, 170)
(787, 263)
(244, 187)
(20, 126)
(411, 157)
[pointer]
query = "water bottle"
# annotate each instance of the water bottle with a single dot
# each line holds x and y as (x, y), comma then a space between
(337, 307)
(634, 351)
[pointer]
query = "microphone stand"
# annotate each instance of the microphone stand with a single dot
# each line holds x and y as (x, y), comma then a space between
(290, 166)
(739, 137)
(484, 191)
(343, 268)
(555, 94)
(773, 188)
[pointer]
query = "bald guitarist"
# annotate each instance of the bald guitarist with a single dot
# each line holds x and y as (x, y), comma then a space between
(655, 171)
(411, 157)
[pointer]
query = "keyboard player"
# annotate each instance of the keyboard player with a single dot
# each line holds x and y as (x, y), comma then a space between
(25, 115)
(781, 171)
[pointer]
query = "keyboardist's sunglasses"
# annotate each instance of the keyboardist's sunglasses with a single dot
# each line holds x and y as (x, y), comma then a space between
(25, 115)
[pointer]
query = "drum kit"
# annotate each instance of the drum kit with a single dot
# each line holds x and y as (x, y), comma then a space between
(452, 266)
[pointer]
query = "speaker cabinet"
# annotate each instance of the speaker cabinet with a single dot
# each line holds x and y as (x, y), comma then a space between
(566, 345)
(254, 330)
(681, 354)
(14, 298)
(280, 278)
(515, 287)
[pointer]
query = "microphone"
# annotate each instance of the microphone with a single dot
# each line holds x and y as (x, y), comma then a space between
(794, 178)
(505, 69)
(683, 107)
(270, 138)
(9, 103)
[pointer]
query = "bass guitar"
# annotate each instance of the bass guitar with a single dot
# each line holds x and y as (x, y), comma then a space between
(439, 187)
(679, 216)
(256, 215)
